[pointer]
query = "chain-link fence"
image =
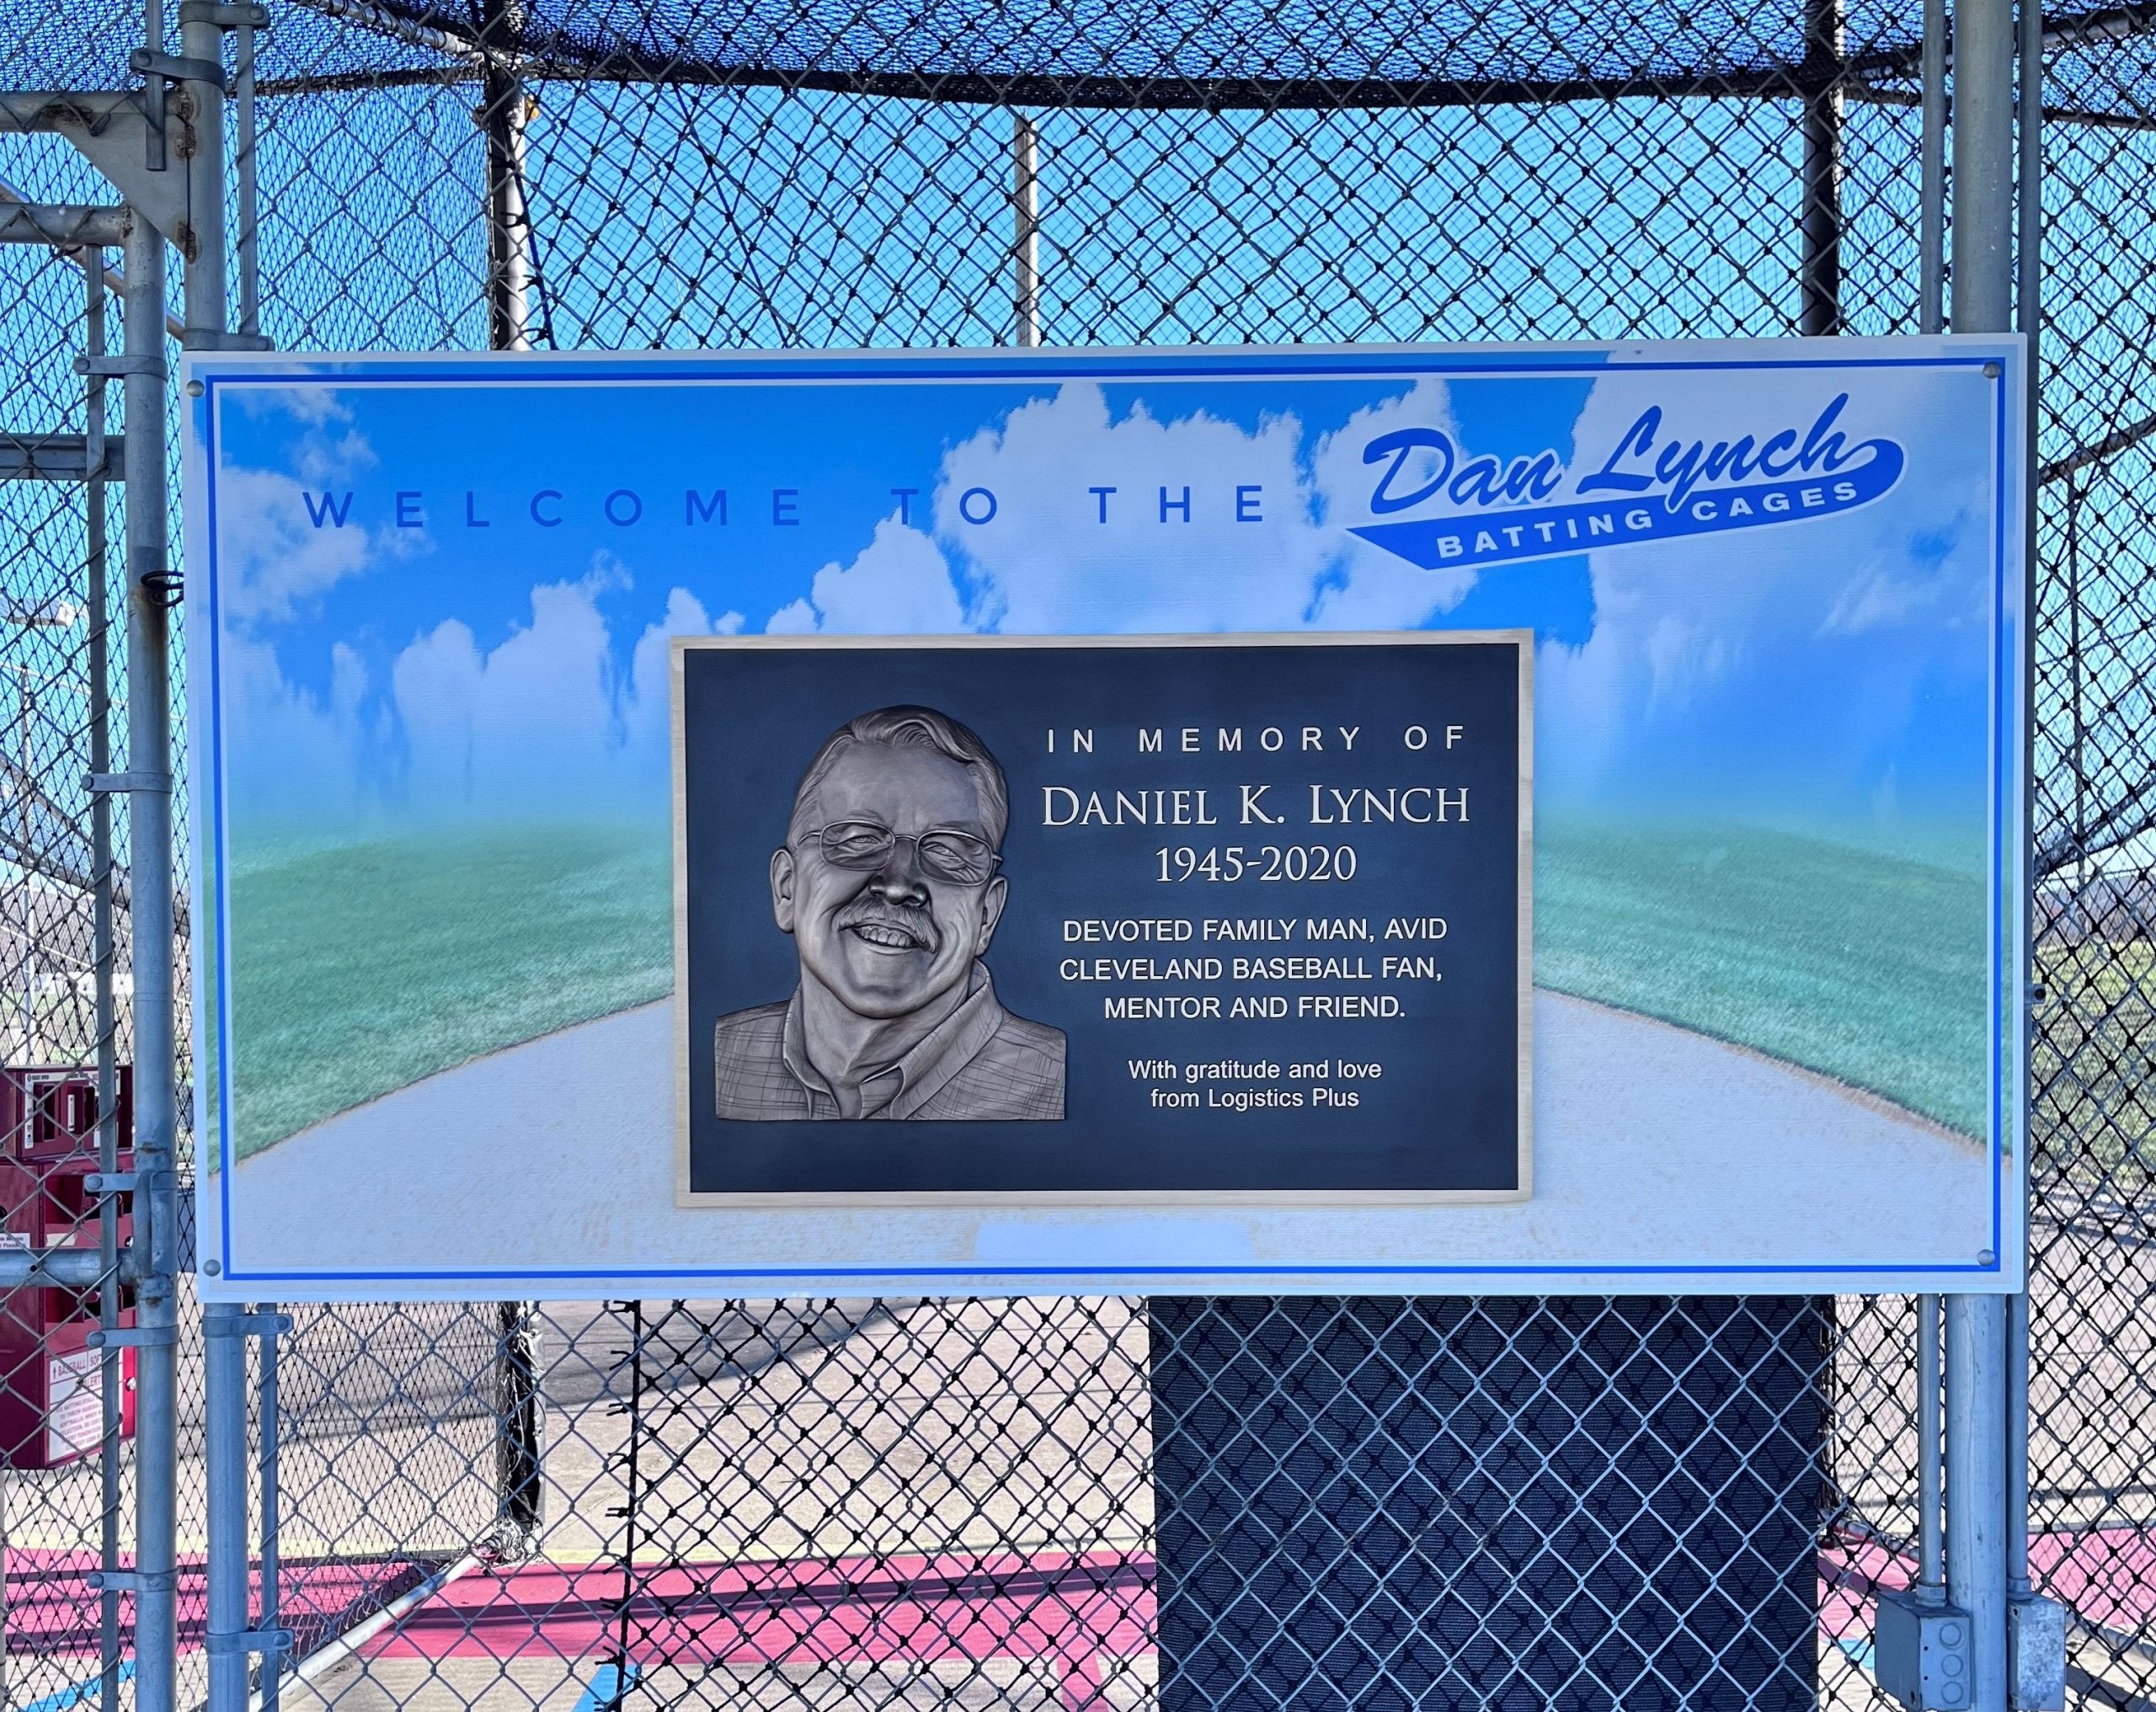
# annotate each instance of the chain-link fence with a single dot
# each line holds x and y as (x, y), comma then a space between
(839, 1504)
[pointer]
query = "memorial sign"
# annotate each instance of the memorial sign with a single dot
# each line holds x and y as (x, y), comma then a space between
(1250, 917)
(1379, 819)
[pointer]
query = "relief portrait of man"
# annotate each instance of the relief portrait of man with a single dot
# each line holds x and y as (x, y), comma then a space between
(890, 882)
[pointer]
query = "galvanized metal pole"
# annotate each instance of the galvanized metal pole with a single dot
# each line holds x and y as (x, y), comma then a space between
(2028, 299)
(1931, 1566)
(1820, 308)
(1931, 213)
(205, 305)
(246, 248)
(224, 1357)
(504, 112)
(1976, 1486)
(1976, 1326)
(1026, 229)
(224, 1363)
(274, 1665)
(1984, 166)
(96, 569)
(151, 917)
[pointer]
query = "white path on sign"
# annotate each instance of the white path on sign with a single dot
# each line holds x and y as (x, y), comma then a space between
(1654, 1146)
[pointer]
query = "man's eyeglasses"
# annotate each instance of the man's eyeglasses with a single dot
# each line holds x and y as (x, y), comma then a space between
(943, 851)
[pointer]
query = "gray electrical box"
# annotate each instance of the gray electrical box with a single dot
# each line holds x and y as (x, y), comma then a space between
(1924, 1652)
(2035, 1654)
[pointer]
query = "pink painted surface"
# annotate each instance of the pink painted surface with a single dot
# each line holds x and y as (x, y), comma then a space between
(2109, 1576)
(2106, 1575)
(1069, 1609)
(53, 1611)
(1072, 1610)
(1850, 1572)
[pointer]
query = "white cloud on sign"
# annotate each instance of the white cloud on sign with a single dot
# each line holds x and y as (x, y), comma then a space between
(1370, 588)
(1684, 627)
(273, 559)
(1046, 561)
(897, 585)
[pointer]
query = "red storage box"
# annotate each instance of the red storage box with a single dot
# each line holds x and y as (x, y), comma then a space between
(52, 1381)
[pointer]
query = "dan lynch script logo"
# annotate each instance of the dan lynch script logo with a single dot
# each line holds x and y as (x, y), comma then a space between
(1653, 485)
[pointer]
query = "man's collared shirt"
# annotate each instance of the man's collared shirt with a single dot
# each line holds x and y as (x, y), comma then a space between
(980, 1065)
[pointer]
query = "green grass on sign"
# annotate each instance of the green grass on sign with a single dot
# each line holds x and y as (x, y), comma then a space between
(362, 969)
(1866, 967)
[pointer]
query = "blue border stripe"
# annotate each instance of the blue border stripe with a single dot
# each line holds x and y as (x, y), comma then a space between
(2009, 623)
(658, 369)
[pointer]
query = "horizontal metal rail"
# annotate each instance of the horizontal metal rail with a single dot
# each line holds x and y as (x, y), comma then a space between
(48, 110)
(58, 457)
(64, 225)
(114, 282)
(334, 1651)
(65, 1268)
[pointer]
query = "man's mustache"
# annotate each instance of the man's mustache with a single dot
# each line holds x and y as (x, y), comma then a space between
(873, 912)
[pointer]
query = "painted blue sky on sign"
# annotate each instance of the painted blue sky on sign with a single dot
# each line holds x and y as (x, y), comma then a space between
(493, 643)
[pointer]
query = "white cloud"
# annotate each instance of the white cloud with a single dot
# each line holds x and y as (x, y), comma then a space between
(897, 585)
(272, 557)
(317, 405)
(1915, 587)
(513, 724)
(1875, 598)
(321, 459)
(1374, 589)
(1048, 562)
(303, 753)
(1685, 621)
(646, 707)
(549, 709)
(280, 540)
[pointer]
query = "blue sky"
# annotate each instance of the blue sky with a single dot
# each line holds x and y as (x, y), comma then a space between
(452, 653)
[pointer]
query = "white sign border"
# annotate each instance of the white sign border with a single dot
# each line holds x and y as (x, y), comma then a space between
(1116, 1264)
